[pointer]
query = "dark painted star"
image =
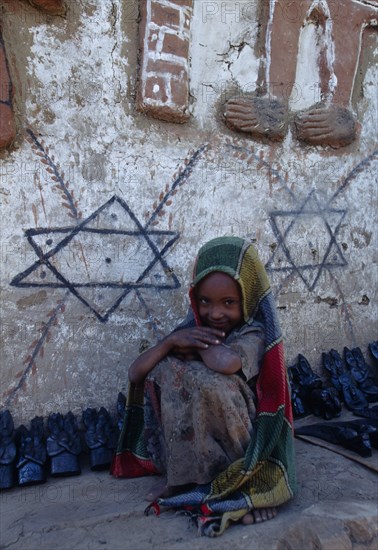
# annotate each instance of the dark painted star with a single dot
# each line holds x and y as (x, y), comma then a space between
(292, 227)
(102, 259)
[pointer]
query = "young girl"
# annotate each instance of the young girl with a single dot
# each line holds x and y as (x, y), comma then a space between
(202, 385)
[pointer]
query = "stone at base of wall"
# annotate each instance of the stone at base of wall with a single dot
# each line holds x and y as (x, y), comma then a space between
(353, 527)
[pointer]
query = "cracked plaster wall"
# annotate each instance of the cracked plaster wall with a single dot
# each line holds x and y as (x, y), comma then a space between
(81, 142)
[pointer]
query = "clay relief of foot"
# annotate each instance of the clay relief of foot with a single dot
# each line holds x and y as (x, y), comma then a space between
(258, 116)
(326, 125)
(338, 27)
(332, 125)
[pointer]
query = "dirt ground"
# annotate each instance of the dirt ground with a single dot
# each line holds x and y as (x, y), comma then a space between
(336, 509)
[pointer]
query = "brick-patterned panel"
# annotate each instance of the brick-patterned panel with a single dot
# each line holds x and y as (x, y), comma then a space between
(163, 88)
(7, 124)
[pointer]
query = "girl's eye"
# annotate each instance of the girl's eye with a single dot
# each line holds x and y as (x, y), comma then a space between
(203, 301)
(230, 302)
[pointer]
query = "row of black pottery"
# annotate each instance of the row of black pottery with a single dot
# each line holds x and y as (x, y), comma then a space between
(350, 381)
(308, 393)
(358, 435)
(28, 455)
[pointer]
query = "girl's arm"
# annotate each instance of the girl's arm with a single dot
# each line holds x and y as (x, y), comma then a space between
(147, 361)
(221, 359)
(184, 341)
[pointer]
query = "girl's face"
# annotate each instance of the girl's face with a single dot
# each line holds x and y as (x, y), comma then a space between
(219, 302)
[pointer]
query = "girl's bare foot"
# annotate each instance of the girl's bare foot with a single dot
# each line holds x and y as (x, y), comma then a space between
(157, 490)
(259, 515)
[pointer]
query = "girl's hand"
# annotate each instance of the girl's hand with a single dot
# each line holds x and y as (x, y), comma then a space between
(186, 342)
(189, 341)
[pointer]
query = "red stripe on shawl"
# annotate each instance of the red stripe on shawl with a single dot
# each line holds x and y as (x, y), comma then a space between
(193, 304)
(272, 385)
(206, 510)
(155, 507)
(126, 464)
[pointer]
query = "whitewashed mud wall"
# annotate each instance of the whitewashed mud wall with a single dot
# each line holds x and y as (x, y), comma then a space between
(103, 208)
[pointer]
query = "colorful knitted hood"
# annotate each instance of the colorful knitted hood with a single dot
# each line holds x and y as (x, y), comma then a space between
(239, 259)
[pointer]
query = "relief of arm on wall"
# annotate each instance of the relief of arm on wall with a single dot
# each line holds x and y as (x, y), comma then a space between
(7, 119)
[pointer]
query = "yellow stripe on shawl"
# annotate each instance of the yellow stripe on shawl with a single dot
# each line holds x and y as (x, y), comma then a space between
(253, 281)
(257, 494)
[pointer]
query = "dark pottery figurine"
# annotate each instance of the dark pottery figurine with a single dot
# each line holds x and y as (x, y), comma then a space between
(308, 394)
(361, 373)
(350, 360)
(325, 402)
(333, 368)
(32, 453)
(63, 444)
(305, 376)
(356, 440)
(8, 450)
(354, 399)
(328, 367)
(367, 425)
(298, 396)
(101, 437)
(337, 361)
(373, 349)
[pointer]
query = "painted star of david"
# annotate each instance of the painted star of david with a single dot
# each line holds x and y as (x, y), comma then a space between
(291, 228)
(101, 260)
